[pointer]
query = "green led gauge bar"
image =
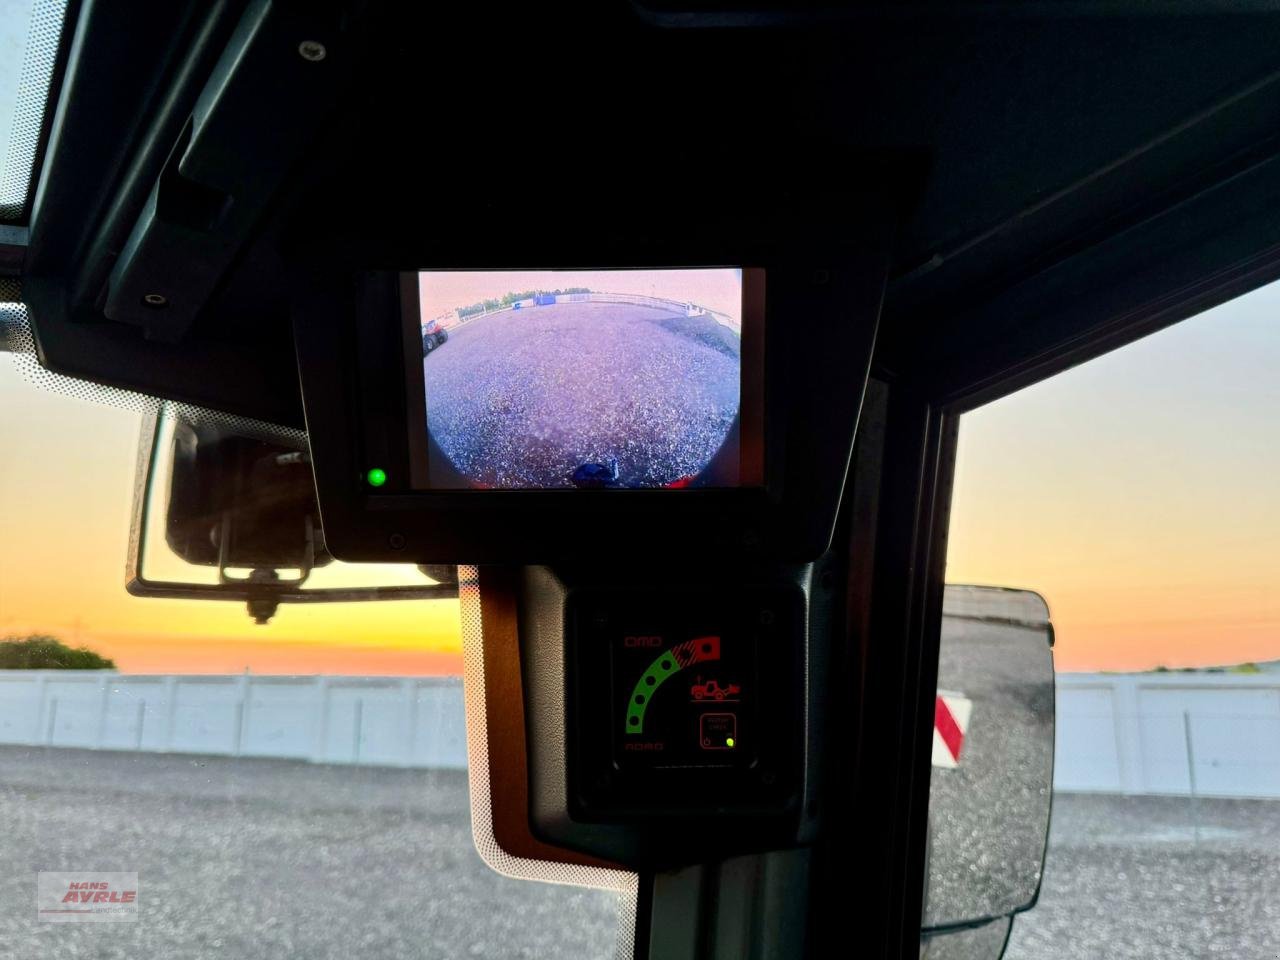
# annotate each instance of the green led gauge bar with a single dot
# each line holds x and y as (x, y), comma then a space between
(668, 664)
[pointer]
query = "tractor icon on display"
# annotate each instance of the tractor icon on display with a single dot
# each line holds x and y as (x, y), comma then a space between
(711, 690)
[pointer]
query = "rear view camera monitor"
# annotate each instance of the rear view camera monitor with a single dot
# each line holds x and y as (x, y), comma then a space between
(585, 379)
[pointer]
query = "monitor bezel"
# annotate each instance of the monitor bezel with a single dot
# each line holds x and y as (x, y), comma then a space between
(350, 340)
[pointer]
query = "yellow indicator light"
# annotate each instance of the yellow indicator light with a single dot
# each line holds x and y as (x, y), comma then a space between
(729, 741)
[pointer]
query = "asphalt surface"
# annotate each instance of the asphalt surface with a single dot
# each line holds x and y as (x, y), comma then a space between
(523, 398)
(268, 859)
(277, 858)
(1127, 879)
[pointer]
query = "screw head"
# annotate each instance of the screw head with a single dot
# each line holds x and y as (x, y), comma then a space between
(312, 50)
(396, 541)
(156, 300)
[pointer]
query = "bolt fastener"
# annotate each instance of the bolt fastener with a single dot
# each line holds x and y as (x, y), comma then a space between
(312, 50)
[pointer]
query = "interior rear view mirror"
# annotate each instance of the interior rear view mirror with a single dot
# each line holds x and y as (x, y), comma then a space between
(227, 512)
(242, 503)
(992, 777)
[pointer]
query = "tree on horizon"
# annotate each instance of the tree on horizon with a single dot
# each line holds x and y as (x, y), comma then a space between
(43, 652)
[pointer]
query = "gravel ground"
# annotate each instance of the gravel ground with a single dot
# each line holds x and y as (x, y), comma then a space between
(267, 859)
(523, 398)
(276, 858)
(1126, 879)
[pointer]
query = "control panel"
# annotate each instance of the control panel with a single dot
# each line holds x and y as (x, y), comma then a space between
(685, 703)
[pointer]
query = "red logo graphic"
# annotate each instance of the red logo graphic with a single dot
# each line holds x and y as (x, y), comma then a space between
(642, 641)
(75, 896)
(98, 893)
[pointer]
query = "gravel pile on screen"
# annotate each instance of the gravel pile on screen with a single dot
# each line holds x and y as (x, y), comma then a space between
(523, 398)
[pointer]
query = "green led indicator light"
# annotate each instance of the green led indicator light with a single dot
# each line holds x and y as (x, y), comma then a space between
(376, 477)
(729, 742)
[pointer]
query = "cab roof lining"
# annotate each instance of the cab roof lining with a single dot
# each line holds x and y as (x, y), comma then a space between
(1033, 153)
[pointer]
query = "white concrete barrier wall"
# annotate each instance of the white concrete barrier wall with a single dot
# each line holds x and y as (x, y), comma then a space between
(676, 306)
(1116, 733)
(1169, 733)
(391, 721)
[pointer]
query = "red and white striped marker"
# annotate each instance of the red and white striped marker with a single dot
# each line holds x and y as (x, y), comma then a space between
(950, 721)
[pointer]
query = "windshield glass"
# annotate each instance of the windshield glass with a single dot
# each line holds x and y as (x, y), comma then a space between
(297, 788)
(30, 32)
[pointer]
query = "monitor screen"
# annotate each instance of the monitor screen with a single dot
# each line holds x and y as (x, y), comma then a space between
(585, 379)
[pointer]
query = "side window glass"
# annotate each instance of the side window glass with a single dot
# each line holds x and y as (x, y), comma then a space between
(1137, 495)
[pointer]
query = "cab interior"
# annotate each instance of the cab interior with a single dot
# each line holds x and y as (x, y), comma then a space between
(946, 202)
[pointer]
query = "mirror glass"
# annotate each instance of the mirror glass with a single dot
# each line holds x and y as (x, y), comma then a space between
(992, 774)
(220, 513)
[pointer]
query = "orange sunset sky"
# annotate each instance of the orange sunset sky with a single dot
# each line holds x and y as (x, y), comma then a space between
(66, 482)
(1137, 493)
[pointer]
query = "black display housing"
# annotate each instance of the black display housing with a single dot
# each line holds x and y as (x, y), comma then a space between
(758, 648)
(820, 317)
(665, 814)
